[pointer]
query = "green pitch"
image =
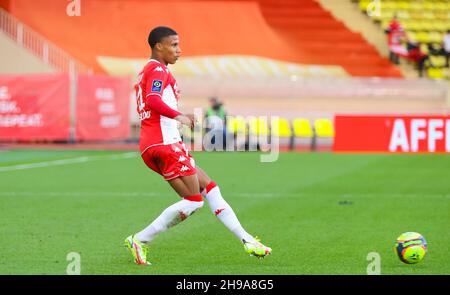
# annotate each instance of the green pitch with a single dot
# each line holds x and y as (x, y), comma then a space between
(321, 213)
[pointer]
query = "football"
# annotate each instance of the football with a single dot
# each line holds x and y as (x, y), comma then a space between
(411, 247)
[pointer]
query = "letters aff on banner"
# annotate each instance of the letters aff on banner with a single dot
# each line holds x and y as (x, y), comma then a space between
(103, 108)
(34, 107)
(396, 134)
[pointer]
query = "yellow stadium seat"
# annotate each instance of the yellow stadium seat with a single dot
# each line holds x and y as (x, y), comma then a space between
(440, 6)
(389, 5)
(424, 48)
(302, 128)
(406, 24)
(381, 15)
(428, 5)
(416, 14)
(258, 126)
(437, 61)
(436, 73)
(403, 14)
(414, 25)
(385, 15)
(422, 37)
(435, 37)
(441, 15)
(429, 15)
(280, 127)
(411, 35)
(426, 25)
(363, 4)
(236, 125)
(416, 5)
(440, 25)
(324, 128)
(403, 5)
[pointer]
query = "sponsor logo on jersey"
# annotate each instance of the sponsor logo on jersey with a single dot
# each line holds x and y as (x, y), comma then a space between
(177, 150)
(182, 158)
(158, 69)
(157, 85)
(184, 168)
(144, 115)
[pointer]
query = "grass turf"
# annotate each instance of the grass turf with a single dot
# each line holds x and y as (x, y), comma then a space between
(322, 213)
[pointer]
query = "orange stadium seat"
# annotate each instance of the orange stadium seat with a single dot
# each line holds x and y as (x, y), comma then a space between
(119, 29)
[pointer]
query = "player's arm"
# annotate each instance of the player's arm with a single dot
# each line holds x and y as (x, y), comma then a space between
(155, 103)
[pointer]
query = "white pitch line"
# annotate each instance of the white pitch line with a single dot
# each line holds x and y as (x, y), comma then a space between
(237, 194)
(80, 194)
(123, 194)
(67, 161)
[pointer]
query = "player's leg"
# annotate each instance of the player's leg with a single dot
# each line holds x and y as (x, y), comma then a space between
(223, 211)
(165, 160)
(187, 188)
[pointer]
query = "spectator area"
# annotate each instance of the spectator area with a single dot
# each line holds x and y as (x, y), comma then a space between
(425, 22)
(299, 31)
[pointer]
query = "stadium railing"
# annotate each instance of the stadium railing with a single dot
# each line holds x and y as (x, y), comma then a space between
(40, 46)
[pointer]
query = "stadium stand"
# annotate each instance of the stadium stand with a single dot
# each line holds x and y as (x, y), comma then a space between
(26, 51)
(301, 32)
(425, 22)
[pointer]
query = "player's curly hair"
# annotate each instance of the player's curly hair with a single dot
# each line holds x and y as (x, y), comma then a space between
(158, 33)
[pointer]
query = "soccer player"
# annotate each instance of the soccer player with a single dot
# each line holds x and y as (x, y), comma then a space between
(163, 151)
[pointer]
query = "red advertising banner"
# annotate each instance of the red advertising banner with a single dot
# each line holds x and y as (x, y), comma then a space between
(103, 108)
(395, 134)
(34, 107)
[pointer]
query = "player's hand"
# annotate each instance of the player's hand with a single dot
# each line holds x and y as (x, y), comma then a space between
(185, 120)
(192, 117)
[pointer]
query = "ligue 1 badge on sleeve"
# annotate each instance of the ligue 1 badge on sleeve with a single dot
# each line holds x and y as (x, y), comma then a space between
(157, 85)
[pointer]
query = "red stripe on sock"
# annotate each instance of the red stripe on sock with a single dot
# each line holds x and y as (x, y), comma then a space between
(210, 186)
(195, 198)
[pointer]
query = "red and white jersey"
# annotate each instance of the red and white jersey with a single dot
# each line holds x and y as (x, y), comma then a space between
(155, 81)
